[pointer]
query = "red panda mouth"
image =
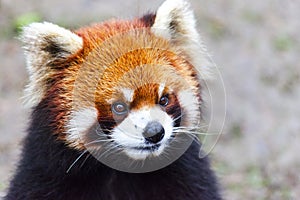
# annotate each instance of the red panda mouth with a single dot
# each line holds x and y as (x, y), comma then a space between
(152, 147)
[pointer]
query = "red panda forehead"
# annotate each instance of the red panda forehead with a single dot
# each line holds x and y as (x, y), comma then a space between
(116, 67)
(99, 32)
(140, 84)
(147, 96)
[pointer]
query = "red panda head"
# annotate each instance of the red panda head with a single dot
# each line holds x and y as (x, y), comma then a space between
(132, 87)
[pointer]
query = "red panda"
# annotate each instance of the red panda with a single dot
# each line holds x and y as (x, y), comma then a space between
(112, 107)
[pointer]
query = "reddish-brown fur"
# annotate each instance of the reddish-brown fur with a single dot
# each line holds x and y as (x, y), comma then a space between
(114, 53)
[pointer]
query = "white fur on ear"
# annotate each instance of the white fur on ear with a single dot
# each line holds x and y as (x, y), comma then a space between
(39, 35)
(44, 43)
(175, 22)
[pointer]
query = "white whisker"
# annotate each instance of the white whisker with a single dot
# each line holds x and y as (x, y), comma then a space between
(180, 116)
(87, 156)
(76, 161)
(99, 141)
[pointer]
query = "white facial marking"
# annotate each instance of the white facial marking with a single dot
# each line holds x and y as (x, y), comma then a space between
(161, 89)
(128, 94)
(81, 121)
(129, 132)
(191, 107)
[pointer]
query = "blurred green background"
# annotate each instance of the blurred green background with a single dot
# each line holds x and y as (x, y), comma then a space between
(256, 46)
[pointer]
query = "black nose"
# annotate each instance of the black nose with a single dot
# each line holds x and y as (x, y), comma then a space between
(154, 132)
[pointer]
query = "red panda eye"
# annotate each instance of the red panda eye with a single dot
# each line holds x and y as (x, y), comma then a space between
(164, 101)
(119, 108)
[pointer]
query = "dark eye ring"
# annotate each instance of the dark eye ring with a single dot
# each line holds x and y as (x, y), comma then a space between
(164, 101)
(119, 108)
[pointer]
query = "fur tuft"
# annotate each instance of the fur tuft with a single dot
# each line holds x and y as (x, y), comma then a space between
(175, 22)
(45, 43)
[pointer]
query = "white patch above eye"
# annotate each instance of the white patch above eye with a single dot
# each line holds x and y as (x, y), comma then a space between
(129, 133)
(161, 89)
(80, 122)
(128, 94)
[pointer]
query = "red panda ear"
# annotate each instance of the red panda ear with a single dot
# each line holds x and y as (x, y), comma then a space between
(44, 43)
(175, 22)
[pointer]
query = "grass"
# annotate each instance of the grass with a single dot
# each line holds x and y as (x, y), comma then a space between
(255, 177)
(215, 27)
(25, 19)
(283, 42)
(251, 16)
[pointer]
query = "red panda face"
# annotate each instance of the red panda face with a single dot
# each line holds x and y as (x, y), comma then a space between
(123, 90)
(134, 101)
(144, 130)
